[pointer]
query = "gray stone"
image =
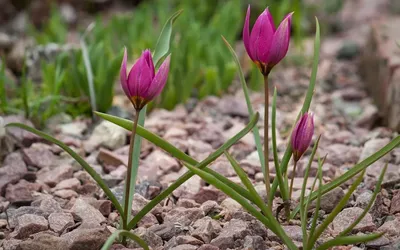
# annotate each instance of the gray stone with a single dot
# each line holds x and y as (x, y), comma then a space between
(49, 205)
(90, 216)
(58, 222)
(395, 204)
(29, 224)
(294, 232)
(66, 193)
(106, 134)
(53, 176)
(363, 199)
(71, 183)
(330, 199)
(23, 211)
(391, 228)
(208, 247)
(39, 155)
(166, 230)
(348, 216)
(13, 170)
(235, 229)
(11, 244)
(206, 229)
(183, 216)
(43, 241)
(164, 162)
(86, 238)
(254, 243)
(184, 247)
(148, 236)
(139, 202)
(21, 192)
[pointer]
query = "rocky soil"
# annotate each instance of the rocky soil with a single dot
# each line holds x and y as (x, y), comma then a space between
(49, 202)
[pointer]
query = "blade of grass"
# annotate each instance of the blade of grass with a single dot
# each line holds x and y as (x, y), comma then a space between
(189, 174)
(370, 203)
(164, 40)
(107, 245)
(354, 170)
(89, 74)
(320, 229)
(303, 211)
(79, 159)
(256, 133)
(306, 104)
(247, 183)
(348, 240)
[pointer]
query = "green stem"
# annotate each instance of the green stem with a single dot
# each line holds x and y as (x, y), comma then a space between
(128, 174)
(292, 180)
(266, 144)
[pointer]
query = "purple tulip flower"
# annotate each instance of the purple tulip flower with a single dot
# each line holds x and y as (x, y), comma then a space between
(142, 84)
(266, 45)
(302, 135)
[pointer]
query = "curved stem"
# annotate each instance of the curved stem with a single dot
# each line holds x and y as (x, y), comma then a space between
(129, 173)
(266, 144)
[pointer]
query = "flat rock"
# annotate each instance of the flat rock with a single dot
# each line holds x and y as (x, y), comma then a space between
(66, 193)
(163, 161)
(43, 241)
(235, 229)
(254, 242)
(148, 236)
(184, 216)
(139, 202)
(391, 228)
(206, 229)
(293, 231)
(49, 205)
(86, 238)
(348, 216)
(29, 224)
(233, 106)
(395, 204)
(52, 176)
(13, 169)
(22, 136)
(106, 134)
(14, 215)
(330, 200)
(21, 192)
(90, 216)
(72, 183)
(39, 155)
(166, 230)
(58, 222)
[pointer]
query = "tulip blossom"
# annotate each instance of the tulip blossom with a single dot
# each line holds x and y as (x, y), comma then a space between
(142, 84)
(266, 45)
(302, 135)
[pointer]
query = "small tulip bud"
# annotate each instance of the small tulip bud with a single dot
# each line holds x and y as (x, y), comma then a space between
(302, 135)
(142, 84)
(266, 45)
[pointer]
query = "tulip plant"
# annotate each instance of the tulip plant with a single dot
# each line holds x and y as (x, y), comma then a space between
(266, 46)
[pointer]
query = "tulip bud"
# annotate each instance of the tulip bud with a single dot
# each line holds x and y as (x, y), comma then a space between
(266, 45)
(302, 135)
(142, 84)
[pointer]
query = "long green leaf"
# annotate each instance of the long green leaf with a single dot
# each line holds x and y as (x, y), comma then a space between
(79, 159)
(348, 240)
(89, 74)
(107, 245)
(354, 170)
(247, 183)
(328, 220)
(370, 203)
(306, 104)
(164, 40)
(189, 174)
(250, 109)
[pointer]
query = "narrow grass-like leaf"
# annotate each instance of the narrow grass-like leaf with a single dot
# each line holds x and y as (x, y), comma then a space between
(256, 133)
(271, 224)
(303, 210)
(164, 39)
(3, 95)
(107, 245)
(348, 240)
(247, 183)
(306, 104)
(318, 203)
(279, 175)
(370, 203)
(89, 74)
(79, 159)
(328, 220)
(165, 145)
(237, 188)
(355, 170)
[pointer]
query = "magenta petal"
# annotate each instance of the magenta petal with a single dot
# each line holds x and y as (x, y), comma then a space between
(149, 61)
(139, 77)
(123, 76)
(246, 34)
(159, 80)
(302, 135)
(271, 20)
(261, 37)
(280, 41)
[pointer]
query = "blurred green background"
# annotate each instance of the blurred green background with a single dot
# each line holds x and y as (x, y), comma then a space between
(88, 51)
